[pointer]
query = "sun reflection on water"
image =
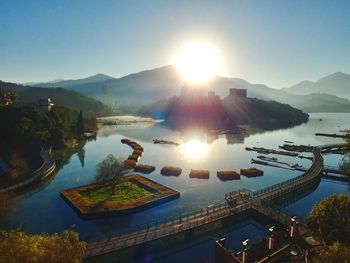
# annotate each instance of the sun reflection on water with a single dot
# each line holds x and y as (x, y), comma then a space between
(194, 149)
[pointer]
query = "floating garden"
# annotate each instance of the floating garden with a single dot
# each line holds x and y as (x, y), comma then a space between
(130, 194)
(171, 171)
(132, 160)
(131, 163)
(119, 193)
(228, 175)
(200, 174)
(252, 172)
(144, 168)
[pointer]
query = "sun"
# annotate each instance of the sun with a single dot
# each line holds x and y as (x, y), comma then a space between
(197, 62)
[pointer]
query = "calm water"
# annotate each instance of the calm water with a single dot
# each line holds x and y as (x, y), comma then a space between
(45, 211)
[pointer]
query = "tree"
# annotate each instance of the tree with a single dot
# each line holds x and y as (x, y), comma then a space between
(331, 218)
(80, 123)
(17, 246)
(110, 169)
(7, 204)
(81, 155)
(345, 162)
(336, 252)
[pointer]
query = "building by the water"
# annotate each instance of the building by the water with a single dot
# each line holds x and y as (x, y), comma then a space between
(45, 104)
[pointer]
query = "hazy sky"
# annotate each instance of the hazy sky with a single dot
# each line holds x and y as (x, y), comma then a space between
(277, 43)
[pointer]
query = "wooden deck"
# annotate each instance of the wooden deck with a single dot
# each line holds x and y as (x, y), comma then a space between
(163, 228)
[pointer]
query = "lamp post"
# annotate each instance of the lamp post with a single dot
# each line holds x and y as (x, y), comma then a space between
(294, 227)
(245, 250)
(271, 240)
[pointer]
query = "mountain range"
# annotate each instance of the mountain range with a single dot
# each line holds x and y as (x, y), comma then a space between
(60, 96)
(148, 86)
(336, 84)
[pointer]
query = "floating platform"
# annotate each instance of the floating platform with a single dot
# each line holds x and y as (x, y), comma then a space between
(144, 168)
(133, 157)
(132, 160)
(170, 171)
(252, 172)
(134, 145)
(228, 175)
(199, 174)
(129, 164)
(88, 208)
(137, 152)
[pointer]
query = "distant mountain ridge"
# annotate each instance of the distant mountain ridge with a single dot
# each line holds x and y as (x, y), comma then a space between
(69, 83)
(148, 86)
(337, 84)
(60, 96)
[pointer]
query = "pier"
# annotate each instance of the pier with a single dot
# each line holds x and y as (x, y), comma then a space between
(346, 136)
(330, 172)
(271, 151)
(158, 229)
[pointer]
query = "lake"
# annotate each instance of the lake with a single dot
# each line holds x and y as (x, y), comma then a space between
(44, 210)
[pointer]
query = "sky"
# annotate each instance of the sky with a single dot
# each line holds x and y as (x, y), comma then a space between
(278, 43)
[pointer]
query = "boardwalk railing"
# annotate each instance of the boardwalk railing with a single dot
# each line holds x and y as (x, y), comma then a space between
(47, 167)
(162, 228)
(167, 221)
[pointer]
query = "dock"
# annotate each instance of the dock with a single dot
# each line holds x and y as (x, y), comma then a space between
(158, 229)
(329, 172)
(296, 148)
(271, 151)
(334, 135)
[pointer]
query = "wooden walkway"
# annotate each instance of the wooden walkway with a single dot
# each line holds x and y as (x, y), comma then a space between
(47, 167)
(326, 169)
(163, 228)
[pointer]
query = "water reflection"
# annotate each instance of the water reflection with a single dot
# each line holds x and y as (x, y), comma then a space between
(194, 149)
(236, 138)
(78, 164)
(158, 131)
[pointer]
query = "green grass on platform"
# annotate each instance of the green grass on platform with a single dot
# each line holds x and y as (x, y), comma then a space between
(120, 192)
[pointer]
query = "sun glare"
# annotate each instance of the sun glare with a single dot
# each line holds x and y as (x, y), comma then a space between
(197, 63)
(194, 149)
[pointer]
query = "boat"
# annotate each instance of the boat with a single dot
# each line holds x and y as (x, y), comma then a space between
(265, 158)
(157, 141)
